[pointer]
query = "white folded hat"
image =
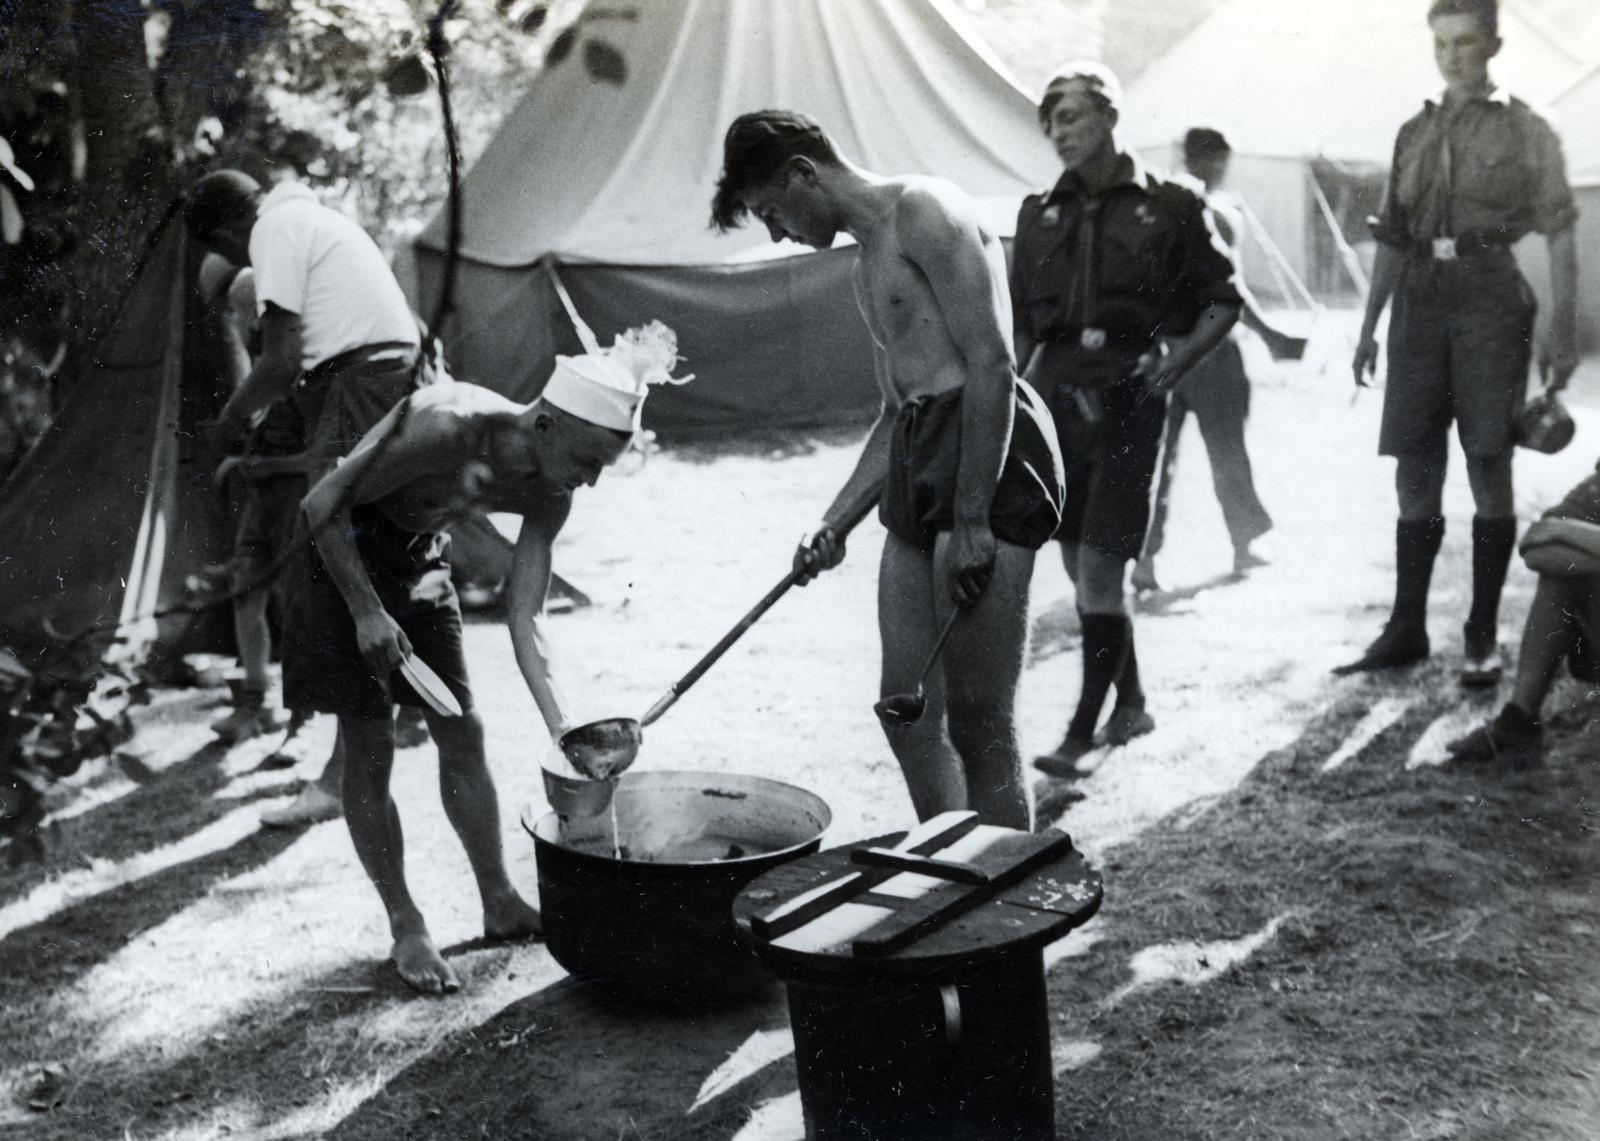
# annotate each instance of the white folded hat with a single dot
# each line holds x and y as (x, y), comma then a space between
(607, 387)
(596, 389)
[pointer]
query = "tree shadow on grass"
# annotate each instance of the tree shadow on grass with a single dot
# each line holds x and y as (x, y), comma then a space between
(573, 1063)
(167, 806)
(1406, 951)
(56, 952)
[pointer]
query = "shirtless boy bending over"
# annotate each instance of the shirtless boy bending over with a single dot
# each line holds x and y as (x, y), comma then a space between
(377, 589)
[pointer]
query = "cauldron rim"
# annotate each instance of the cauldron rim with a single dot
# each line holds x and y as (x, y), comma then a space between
(545, 828)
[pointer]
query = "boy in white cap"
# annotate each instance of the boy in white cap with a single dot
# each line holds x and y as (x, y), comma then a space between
(376, 591)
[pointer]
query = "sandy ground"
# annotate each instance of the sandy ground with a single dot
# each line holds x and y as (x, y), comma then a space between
(188, 975)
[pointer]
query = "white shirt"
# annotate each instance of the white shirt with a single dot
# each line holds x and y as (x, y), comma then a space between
(319, 265)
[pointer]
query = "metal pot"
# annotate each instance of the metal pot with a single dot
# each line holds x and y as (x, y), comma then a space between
(657, 922)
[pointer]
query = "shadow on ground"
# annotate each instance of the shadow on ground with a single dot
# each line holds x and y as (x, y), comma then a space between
(1423, 977)
(573, 1063)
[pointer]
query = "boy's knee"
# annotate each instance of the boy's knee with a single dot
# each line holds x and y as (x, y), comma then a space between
(460, 739)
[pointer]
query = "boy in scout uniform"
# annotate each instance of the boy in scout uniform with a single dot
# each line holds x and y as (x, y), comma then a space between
(1120, 285)
(1472, 173)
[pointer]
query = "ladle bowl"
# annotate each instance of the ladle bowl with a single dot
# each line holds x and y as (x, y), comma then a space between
(901, 709)
(603, 749)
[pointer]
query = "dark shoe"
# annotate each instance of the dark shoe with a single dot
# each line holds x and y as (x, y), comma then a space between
(295, 749)
(250, 718)
(1513, 739)
(1053, 797)
(314, 805)
(1396, 646)
(1483, 665)
(1125, 724)
(1245, 560)
(1144, 577)
(1062, 762)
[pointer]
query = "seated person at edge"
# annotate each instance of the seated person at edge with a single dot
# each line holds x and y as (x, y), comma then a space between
(376, 589)
(1563, 548)
(963, 452)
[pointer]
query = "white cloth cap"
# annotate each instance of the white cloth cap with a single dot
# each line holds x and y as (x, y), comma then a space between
(596, 389)
(1096, 76)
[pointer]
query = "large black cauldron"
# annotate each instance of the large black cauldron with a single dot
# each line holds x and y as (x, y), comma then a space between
(657, 922)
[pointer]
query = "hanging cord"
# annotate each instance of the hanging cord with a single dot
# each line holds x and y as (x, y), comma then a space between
(439, 49)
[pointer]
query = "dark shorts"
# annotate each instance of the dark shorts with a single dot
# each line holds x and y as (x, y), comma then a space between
(924, 457)
(1111, 442)
(266, 526)
(323, 669)
(1460, 339)
(340, 400)
(1583, 504)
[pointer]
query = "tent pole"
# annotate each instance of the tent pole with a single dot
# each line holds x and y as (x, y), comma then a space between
(1273, 252)
(1347, 253)
(591, 343)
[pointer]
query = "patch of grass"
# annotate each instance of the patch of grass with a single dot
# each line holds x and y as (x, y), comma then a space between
(1410, 991)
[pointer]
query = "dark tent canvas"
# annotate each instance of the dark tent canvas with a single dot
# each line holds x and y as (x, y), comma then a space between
(607, 187)
(114, 509)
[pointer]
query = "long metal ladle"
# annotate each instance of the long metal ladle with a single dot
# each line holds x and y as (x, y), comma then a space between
(901, 709)
(603, 750)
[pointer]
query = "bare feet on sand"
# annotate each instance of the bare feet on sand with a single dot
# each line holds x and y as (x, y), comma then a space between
(421, 965)
(511, 919)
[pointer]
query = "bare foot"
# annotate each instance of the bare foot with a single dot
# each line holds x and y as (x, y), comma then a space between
(512, 918)
(421, 966)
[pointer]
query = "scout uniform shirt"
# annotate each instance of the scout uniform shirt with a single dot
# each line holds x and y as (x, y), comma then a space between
(1105, 275)
(1470, 177)
(1483, 173)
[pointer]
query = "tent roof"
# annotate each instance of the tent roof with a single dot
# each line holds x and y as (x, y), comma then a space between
(594, 171)
(1577, 111)
(1317, 78)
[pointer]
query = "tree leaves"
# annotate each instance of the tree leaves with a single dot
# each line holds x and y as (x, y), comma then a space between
(535, 18)
(561, 47)
(604, 62)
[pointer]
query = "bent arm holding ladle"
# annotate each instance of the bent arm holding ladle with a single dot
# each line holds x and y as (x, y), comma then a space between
(526, 591)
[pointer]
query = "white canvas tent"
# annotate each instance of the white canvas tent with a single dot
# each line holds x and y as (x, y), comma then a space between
(609, 186)
(1576, 112)
(1300, 82)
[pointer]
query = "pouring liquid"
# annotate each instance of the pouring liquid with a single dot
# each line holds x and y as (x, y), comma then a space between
(616, 840)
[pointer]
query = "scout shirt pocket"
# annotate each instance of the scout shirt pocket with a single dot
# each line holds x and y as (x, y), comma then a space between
(1139, 249)
(1493, 171)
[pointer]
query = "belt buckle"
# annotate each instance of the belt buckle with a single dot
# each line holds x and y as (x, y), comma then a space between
(1444, 249)
(1092, 339)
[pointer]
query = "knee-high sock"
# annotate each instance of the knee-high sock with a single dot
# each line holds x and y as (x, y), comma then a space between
(1493, 540)
(1416, 544)
(1105, 651)
(1130, 693)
